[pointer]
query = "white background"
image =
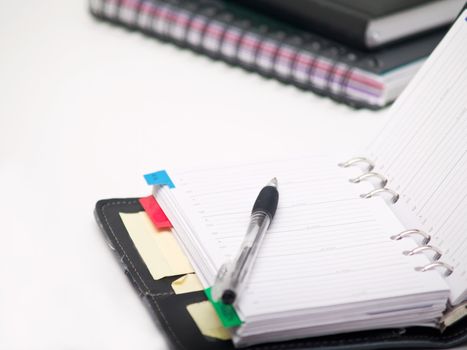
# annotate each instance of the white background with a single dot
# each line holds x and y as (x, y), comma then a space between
(85, 110)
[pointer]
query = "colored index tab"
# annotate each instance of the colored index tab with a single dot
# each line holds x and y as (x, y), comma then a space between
(159, 178)
(155, 212)
(226, 313)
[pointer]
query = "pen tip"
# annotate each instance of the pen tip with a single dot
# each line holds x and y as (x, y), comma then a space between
(273, 182)
(228, 297)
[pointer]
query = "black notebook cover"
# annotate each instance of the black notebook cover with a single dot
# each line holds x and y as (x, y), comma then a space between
(344, 20)
(173, 320)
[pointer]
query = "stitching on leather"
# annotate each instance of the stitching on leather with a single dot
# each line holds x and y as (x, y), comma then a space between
(123, 249)
(166, 322)
(133, 266)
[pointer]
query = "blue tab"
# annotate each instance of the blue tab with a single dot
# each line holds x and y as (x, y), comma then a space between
(159, 178)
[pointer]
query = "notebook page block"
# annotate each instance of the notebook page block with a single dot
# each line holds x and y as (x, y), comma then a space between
(423, 152)
(324, 240)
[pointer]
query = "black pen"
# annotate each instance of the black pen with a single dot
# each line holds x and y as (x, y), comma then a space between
(231, 277)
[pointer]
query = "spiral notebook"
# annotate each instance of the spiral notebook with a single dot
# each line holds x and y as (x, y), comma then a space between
(225, 30)
(385, 250)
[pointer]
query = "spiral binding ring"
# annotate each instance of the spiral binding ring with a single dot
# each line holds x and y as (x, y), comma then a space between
(424, 248)
(368, 175)
(395, 195)
(434, 265)
(407, 233)
(357, 160)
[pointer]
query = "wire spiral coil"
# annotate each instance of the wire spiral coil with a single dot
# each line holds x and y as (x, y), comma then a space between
(368, 175)
(424, 247)
(434, 253)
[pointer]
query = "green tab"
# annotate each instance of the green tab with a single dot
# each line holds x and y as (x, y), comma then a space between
(226, 313)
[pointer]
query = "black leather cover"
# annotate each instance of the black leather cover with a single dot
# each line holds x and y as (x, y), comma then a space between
(169, 309)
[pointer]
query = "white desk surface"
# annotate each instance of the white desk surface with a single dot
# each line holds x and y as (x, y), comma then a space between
(85, 110)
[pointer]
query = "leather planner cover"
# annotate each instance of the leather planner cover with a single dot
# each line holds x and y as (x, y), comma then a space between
(173, 320)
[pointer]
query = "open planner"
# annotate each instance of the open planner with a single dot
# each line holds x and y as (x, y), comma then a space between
(368, 252)
(387, 249)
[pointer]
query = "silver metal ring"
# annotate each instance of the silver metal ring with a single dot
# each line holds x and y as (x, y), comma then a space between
(395, 195)
(424, 248)
(369, 175)
(407, 233)
(357, 160)
(434, 265)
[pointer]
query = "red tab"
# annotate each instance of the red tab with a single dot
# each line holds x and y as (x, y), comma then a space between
(155, 212)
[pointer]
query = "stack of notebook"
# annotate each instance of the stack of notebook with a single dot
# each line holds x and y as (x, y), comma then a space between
(241, 36)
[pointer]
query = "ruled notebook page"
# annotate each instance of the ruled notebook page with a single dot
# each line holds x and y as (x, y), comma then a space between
(326, 245)
(423, 152)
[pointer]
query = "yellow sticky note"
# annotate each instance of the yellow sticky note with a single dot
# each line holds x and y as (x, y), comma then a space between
(186, 284)
(208, 322)
(159, 249)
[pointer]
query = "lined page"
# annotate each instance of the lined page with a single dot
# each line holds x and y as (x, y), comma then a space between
(326, 245)
(423, 152)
